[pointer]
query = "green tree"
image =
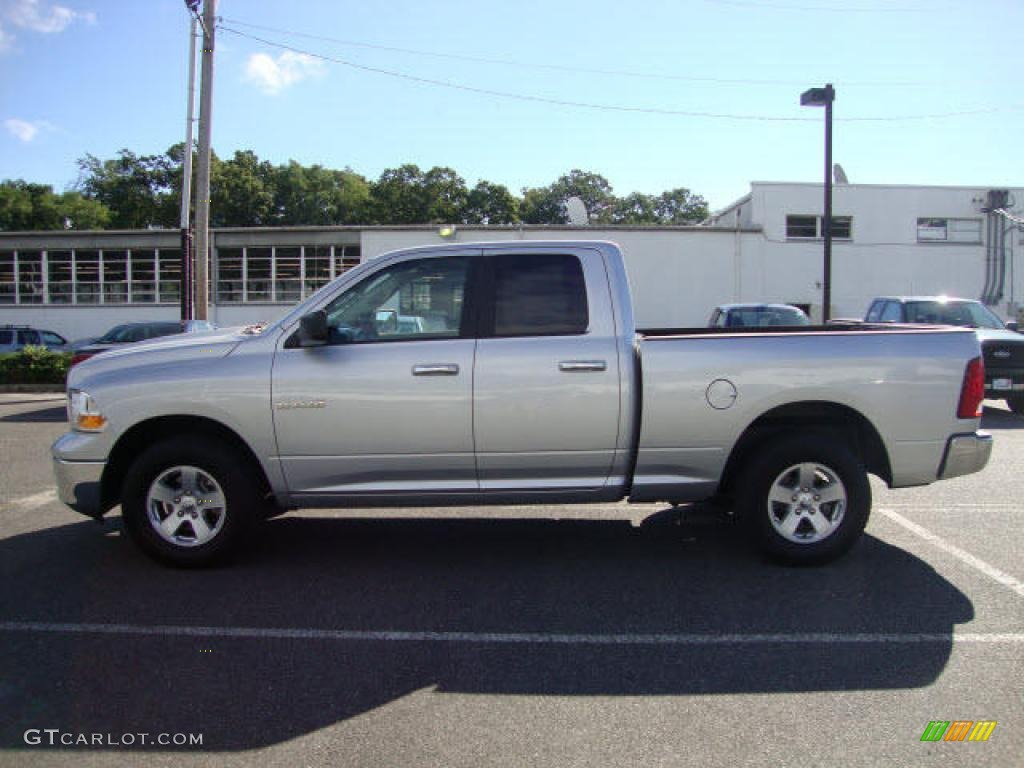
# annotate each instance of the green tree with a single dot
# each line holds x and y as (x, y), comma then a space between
(139, 191)
(681, 206)
(27, 206)
(489, 203)
(315, 195)
(399, 196)
(546, 205)
(76, 211)
(18, 204)
(407, 195)
(241, 191)
(446, 195)
(636, 208)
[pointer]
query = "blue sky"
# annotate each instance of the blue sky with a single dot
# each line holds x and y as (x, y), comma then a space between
(93, 76)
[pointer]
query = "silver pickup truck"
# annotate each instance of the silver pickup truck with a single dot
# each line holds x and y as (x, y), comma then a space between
(512, 373)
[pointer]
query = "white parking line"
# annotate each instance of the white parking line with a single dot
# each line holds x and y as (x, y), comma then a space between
(34, 501)
(1014, 584)
(490, 638)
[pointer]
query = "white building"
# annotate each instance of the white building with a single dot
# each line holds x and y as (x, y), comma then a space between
(888, 239)
(764, 247)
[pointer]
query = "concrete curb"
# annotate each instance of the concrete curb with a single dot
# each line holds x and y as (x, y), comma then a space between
(28, 388)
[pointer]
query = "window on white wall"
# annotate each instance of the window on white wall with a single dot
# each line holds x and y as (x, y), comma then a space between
(30, 277)
(143, 276)
(169, 264)
(115, 277)
(8, 278)
(949, 230)
(87, 277)
(809, 227)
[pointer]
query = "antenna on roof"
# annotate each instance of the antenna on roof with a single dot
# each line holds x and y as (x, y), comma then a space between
(577, 212)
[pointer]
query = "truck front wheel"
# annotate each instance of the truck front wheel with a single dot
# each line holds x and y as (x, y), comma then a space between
(805, 499)
(187, 502)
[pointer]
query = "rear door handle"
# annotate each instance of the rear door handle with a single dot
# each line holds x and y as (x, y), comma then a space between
(580, 366)
(438, 369)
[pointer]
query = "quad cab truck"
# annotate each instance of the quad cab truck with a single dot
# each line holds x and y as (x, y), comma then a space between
(513, 373)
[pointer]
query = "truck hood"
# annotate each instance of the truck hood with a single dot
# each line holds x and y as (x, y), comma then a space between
(207, 345)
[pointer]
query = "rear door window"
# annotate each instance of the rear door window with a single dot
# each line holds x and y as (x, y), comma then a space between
(891, 313)
(539, 294)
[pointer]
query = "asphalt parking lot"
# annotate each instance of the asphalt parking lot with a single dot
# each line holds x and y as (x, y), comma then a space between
(461, 642)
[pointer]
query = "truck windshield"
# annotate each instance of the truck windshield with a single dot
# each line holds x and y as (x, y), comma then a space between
(966, 313)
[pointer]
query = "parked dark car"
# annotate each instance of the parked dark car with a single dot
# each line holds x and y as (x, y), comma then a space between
(756, 316)
(129, 333)
(1001, 345)
(16, 337)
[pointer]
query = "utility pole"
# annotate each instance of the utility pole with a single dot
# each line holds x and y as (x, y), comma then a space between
(186, 183)
(203, 174)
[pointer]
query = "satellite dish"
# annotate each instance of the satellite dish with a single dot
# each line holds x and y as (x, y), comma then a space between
(577, 211)
(839, 175)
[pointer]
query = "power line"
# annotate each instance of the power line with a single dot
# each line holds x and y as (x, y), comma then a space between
(819, 8)
(566, 67)
(612, 107)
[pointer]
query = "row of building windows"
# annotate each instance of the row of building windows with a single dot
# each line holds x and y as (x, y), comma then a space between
(279, 274)
(809, 227)
(153, 275)
(122, 276)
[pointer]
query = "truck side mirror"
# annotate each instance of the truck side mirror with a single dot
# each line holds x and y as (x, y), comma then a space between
(313, 330)
(1011, 325)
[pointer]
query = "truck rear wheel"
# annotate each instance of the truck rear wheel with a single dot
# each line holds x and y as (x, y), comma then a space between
(187, 502)
(805, 499)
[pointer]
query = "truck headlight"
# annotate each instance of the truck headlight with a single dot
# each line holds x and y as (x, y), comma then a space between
(83, 414)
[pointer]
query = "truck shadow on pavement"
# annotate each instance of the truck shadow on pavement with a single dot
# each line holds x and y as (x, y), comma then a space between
(998, 418)
(544, 577)
(51, 413)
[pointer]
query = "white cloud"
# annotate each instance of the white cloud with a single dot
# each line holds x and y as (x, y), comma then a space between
(21, 129)
(38, 17)
(274, 75)
(27, 131)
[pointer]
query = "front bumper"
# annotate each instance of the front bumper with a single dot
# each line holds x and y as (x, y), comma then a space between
(965, 454)
(78, 485)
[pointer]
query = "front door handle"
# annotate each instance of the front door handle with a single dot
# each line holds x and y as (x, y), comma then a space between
(579, 366)
(437, 369)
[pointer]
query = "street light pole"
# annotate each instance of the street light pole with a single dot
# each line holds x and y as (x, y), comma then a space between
(823, 97)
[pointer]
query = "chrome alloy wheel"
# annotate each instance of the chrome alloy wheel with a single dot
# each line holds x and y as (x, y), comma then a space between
(186, 506)
(806, 503)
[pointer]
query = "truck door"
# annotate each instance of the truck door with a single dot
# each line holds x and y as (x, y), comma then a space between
(546, 379)
(386, 407)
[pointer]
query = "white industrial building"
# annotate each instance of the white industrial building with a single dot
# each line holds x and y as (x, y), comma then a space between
(764, 247)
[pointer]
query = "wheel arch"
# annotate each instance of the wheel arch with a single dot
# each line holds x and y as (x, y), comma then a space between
(814, 415)
(136, 439)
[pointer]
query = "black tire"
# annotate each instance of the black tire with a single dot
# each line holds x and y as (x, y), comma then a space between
(223, 475)
(1016, 403)
(765, 517)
